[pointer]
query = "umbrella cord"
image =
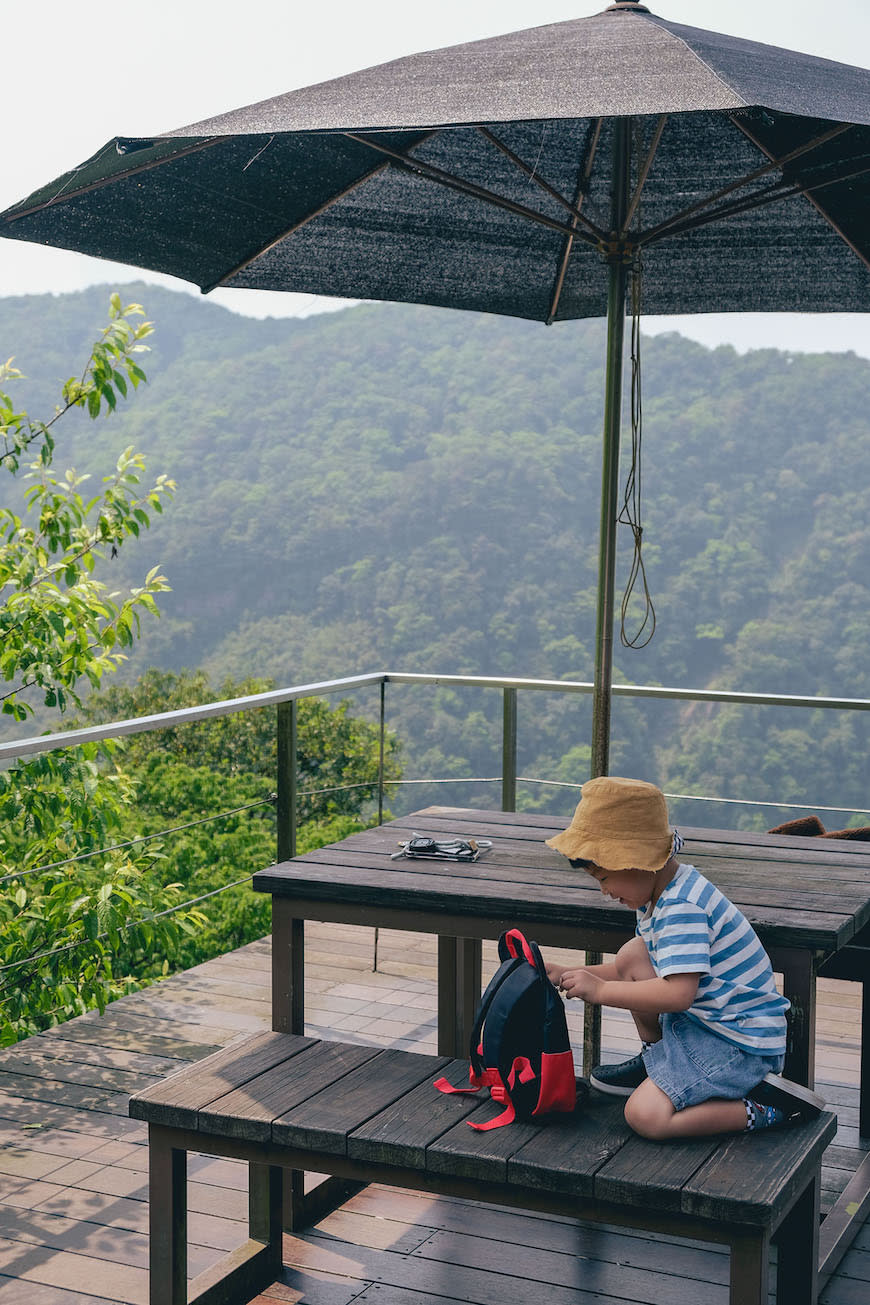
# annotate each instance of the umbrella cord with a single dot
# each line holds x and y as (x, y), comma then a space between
(630, 513)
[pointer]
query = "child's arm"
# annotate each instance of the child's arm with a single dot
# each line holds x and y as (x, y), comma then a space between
(674, 993)
(555, 972)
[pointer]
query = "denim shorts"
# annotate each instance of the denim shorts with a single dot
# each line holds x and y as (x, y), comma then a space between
(691, 1064)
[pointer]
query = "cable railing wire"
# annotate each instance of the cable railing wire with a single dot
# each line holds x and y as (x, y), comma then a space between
(176, 829)
(688, 797)
(128, 924)
(132, 842)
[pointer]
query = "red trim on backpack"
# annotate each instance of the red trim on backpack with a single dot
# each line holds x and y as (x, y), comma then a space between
(558, 1084)
(521, 1069)
(511, 938)
(443, 1085)
(507, 1116)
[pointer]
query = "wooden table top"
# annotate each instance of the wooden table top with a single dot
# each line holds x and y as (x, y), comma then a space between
(809, 893)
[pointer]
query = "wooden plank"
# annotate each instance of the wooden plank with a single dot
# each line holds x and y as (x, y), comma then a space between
(536, 867)
(249, 1110)
(176, 1100)
(625, 1179)
(842, 1222)
(750, 1179)
(566, 1154)
(324, 1121)
(464, 1152)
(427, 897)
(400, 1134)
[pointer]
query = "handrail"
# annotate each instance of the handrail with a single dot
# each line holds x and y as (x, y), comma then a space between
(183, 716)
(227, 707)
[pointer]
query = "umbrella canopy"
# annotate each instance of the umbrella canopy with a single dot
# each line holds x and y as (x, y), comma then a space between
(521, 175)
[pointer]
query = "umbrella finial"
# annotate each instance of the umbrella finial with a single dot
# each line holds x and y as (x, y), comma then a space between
(628, 6)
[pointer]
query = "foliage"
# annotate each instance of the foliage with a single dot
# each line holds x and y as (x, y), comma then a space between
(397, 486)
(213, 781)
(75, 920)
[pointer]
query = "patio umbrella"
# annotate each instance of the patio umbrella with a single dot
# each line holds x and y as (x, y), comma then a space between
(526, 175)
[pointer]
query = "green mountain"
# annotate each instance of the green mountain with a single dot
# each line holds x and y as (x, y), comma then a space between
(389, 487)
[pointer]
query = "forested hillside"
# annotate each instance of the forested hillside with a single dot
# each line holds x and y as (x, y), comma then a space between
(415, 489)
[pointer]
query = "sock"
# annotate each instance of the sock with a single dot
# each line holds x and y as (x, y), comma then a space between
(758, 1116)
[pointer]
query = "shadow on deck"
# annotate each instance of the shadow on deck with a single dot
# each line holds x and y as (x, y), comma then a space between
(73, 1167)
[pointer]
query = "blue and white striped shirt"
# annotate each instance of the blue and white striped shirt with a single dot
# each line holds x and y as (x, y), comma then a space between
(694, 929)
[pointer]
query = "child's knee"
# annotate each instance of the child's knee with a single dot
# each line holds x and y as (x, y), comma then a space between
(649, 1114)
(633, 962)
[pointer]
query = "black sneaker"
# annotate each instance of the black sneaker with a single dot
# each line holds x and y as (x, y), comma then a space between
(797, 1103)
(619, 1080)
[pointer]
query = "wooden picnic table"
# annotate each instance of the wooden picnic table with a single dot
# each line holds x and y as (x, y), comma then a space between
(807, 898)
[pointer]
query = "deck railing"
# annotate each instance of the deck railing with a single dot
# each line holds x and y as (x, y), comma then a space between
(286, 703)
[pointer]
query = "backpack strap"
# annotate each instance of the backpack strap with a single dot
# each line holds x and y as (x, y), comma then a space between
(513, 939)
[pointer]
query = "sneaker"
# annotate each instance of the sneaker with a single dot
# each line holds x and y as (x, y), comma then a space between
(797, 1103)
(619, 1080)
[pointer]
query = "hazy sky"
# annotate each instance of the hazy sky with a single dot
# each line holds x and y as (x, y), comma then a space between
(75, 75)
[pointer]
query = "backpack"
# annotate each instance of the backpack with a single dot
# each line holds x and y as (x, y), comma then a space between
(519, 1043)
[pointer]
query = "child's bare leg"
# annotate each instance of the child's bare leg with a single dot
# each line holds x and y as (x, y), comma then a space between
(650, 1112)
(633, 962)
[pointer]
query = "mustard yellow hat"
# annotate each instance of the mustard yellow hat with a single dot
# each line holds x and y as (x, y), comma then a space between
(619, 824)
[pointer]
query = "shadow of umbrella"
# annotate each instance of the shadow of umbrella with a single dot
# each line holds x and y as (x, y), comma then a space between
(534, 175)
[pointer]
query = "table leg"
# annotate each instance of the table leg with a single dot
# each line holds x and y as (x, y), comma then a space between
(799, 985)
(288, 969)
(459, 986)
(167, 1215)
(592, 1025)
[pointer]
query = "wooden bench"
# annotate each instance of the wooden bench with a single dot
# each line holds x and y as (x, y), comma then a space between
(365, 1114)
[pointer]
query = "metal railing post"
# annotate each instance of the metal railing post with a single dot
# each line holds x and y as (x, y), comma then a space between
(509, 752)
(286, 805)
(381, 755)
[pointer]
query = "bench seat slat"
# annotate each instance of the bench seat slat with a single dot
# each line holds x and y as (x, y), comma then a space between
(566, 1155)
(323, 1122)
(400, 1134)
(750, 1179)
(465, 1153)
(626, 1178)
(248, 1112)
(176, 1100)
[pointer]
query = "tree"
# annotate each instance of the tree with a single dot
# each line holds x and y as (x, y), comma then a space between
(207, 788)
(75, 912)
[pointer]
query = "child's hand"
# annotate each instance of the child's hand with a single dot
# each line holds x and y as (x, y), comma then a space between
(580, 983)
(554, 972)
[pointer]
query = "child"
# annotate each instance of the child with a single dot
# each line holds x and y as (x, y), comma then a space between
(695, 977)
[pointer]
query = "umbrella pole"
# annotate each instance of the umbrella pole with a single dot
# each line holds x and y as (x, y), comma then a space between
(617, 280)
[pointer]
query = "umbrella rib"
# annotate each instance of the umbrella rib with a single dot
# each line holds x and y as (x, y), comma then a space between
(582, 186)
(264, 249)
(432, 173)
(815, 203)
(771, 166)
(573, 209)
(64, 195)
(780, 191)
(644, 171)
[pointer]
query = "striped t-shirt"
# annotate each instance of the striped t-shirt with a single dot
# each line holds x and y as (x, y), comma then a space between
(694, 929)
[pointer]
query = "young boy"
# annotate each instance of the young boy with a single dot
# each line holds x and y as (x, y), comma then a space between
(695, 977)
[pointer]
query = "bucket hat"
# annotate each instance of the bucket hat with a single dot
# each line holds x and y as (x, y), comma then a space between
(619, 824)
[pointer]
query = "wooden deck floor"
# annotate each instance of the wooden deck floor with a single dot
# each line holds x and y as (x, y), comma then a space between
(73, 1192)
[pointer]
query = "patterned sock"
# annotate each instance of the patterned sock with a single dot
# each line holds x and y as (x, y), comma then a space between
(758, 1116)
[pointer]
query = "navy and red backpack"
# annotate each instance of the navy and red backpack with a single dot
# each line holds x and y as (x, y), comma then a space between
(519, 1043)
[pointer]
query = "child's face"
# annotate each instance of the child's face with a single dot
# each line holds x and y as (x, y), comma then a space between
(632, 888)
